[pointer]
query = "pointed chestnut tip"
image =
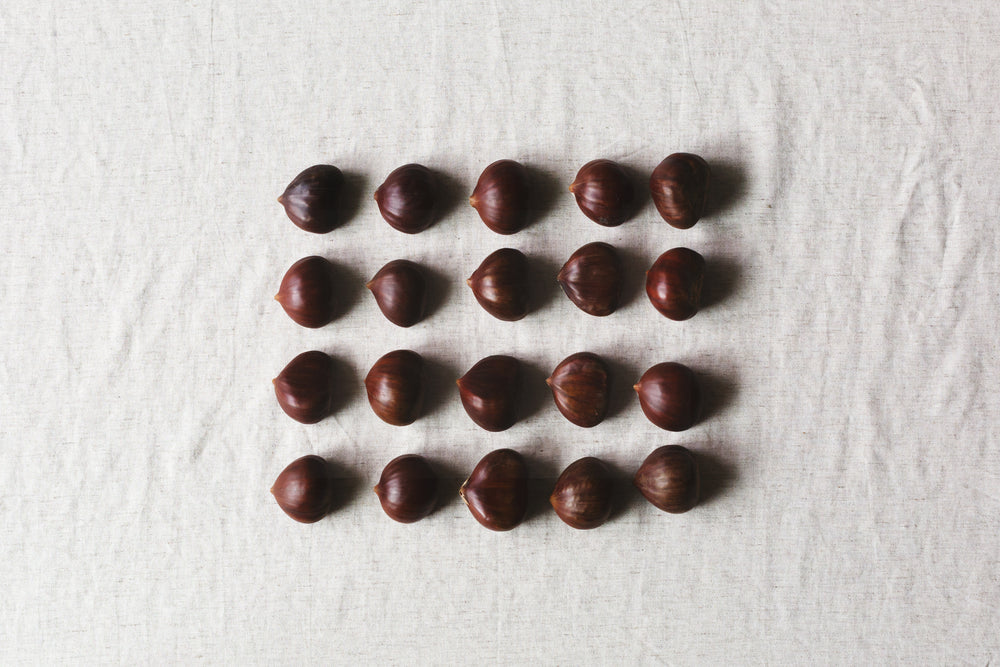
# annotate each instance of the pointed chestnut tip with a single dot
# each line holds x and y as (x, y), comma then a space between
(277, 297)
(281, 199)
(378, 491)
(274, 380)
(572, 185)
(473, 202)
(636, 386)
(272, 490)
(469, 282)
(368, 285)
(548, 380)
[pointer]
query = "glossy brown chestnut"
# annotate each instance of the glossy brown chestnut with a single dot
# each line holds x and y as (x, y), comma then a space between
(679, 186)
(407, 489)
(670, 396)
(305, 387)
(400, 290)
(584, 493)
(502, 196)
(674, 283)
(604, 192)
(497, 490)
(592, 278)
(500, 284)
(395, 387)
(312, 200)
(489, 392)
(307, 292)
(305, 489)
(580, 386)
(669, 479)
(407, 197)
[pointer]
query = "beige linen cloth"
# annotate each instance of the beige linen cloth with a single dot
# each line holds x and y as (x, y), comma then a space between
(849, 347)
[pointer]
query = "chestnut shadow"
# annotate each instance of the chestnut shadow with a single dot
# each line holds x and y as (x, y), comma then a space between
(623, 376)
(717, 476)
(439, 286)
(727, 185)
(347, 382)
(639, 177)
(718, 393)
(722, 280)
(450, 480)
(546, 189)
(634, 265)
(542, 273)
(439, 384)
(350, 285)
(451, 194)
(356, 186)
(626, 497)
(535, 394)
(348, 485)
(542, 476)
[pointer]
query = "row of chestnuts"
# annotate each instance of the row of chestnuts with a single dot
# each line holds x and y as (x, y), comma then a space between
(409, 197)
(496, 491)
(669, 393)
(592, 278)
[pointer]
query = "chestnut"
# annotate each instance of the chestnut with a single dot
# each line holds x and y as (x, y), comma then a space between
(489, 392)
(407, 198)
(305, 489)
(400, 290)
(604, 192)
(669, 396)
(669, 479)
(407, 488)
(312, 200)
(502, 196)
(497, 490)
(580, 387)
(583, 494)
(679, 186)
(500, 284)
(674, 283)
(307, 292)
(304, 387)
(592, 278)
(395, 387)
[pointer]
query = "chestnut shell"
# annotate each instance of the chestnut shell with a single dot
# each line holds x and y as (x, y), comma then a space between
(489, 392)
(669, 479)
(496, 492)
(307, 292)
(604, 192)
(669, 396)
(400, 290)
(592, 278)
(581, 388)
(312, 200)
(674, 283)
(395, 387)
(305, 489)
(502, 196)
(583, 495)
(304, 388)
(500, 284)
(407, 198)
(407, 489)
(679, 186)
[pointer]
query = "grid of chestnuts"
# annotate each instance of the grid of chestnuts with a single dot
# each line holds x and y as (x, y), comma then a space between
(496, 492)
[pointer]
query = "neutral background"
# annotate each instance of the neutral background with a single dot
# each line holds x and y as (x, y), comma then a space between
(849, 348)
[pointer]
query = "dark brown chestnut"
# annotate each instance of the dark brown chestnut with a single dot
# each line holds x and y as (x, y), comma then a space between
(583, 494)
(669, 479)
(307, 292)
(674, 283)
(502, 196)
(670, 396)
(592, 278)
(305, 489)
(497, 490)
(580, 387)
(395, 387)
(500, 284)
(312, 200)
(407, 489)
(604, 192)
(407, 197)
(400, 290)
(489, 392)
(305, 387)
(679, 186)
